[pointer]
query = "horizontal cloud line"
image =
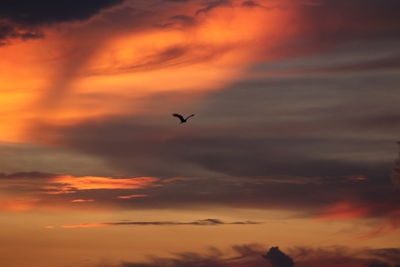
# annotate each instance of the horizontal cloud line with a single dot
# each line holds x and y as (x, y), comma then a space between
(205, 222)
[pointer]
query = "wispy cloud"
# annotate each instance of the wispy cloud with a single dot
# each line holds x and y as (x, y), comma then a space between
(82, 200)
(132, 196)
(385, 216)
(205, 222)
(69, 184)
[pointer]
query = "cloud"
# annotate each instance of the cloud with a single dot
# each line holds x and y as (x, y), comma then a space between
(68, 184)
(278, 259)
(36, 190)
(395, 174)
(82, 200)
(385, 215)
(358, 19)
(250, 4)
(213, 5)
(251, 255)
(205, 222)
(187, 20)
(342, 256)
(255, 131)
(47, 11)
(244, 256)
(26, 175)
(22, 18)
(132, 196)
(9, 31)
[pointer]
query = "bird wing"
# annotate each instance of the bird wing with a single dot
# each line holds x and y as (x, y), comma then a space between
(179, 116)
(189, 116)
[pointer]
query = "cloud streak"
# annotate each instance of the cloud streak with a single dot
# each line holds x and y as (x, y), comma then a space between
(205, 222)
(68, 184)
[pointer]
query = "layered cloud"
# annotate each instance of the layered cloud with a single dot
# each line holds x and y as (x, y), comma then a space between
(290, 102)
(251, 255)
(296, 105)
(33, 190)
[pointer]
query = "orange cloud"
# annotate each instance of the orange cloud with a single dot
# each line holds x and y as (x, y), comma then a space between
(17, 204)
(385, 219)
(86, 225)
(82, 200)
(132, 196)
(83, 72)
(70, 184)
(344, 210)
(357, 178)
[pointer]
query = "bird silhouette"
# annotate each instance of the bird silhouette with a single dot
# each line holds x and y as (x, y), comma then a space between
(181, 118)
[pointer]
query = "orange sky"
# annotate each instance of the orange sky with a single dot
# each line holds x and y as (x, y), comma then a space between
(85, 145)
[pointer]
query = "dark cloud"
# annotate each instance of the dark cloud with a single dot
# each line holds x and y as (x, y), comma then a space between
(380, 64)
(188, 20)
(330, 20)
(219, 150)
(287, 141)
(395, 175)
(205, 222)
(250, 4)
(8, 31)
(46, 11)
(278, 259)
(251, 255)
(23, 18)
(26, 175)
(245, 256)
(213, 5)
(342, 256)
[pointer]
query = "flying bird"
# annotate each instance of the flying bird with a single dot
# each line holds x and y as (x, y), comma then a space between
(181, 118)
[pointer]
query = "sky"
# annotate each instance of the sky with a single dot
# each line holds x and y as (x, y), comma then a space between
(293, 142)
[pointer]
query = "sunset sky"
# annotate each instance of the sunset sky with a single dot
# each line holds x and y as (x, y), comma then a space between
(293, 142)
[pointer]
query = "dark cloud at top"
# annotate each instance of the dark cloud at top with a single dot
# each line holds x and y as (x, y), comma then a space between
(23, 18)
(213, 5)
(46, 11)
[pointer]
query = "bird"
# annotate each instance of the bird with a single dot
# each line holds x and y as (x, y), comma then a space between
(181, 118)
